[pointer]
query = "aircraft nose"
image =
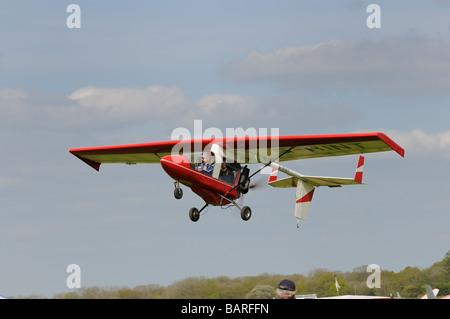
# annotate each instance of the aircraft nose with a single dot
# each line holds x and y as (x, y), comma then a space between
(167, 162)
(177, 159)
(173, 163)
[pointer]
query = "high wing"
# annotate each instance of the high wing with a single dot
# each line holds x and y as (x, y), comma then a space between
(127, 154)
(244, 149)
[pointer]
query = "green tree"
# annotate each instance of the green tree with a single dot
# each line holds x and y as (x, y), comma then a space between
(410, 282)
(446, 265)
(208, 289)
(261, 292)
(412, 291)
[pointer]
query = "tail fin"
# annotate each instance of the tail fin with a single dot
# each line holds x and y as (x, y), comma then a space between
(359, 170)
(431, 293)
(305, 192)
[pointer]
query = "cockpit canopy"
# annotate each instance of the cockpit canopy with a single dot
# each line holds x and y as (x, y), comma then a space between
(225, 171)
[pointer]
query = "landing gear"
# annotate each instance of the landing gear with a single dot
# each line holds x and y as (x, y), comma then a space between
(178, 192)
(246, 213)
(194, 213)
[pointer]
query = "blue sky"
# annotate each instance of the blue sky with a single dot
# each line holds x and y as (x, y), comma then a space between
(137, 70)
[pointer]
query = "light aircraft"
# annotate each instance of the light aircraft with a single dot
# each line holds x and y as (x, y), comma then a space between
(221, 179)
(432, 293)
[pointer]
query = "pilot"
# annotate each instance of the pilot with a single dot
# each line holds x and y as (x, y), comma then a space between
(205, 167)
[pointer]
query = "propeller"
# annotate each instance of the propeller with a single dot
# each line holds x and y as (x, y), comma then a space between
(258, 184)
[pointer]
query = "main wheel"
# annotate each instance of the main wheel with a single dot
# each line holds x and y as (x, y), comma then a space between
(178, 193)
(194, 214)
(246, 213)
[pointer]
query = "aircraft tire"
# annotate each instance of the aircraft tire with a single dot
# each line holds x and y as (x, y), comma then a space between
(246, 213)
(194, 214)
(178, 193)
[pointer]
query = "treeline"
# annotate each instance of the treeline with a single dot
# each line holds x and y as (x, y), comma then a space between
(409, 283)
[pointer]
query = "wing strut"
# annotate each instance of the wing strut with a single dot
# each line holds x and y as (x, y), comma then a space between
(270, 162)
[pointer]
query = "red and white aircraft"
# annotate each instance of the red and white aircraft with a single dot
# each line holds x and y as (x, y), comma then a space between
(220, 180)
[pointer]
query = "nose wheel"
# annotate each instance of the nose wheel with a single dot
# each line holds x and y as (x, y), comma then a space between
(178, 192)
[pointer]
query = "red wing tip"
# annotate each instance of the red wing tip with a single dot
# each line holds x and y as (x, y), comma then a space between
(93, 164)
(392, 144)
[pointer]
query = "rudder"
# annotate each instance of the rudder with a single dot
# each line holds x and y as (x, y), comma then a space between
(304, 195)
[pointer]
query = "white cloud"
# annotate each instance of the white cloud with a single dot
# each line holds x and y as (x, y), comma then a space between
(90, 106)
(127, 105)
(99, 108)
(131, 102)
(224, 106)
(288, 113)
(398, 66)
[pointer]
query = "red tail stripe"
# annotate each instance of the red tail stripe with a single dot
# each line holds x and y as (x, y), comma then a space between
(359, 168)
(307, 198)
(359, 177)
(360, 162)
(272, 176)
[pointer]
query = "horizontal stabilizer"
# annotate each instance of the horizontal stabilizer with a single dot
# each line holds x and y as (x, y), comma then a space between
(314, 181)
(292, 181)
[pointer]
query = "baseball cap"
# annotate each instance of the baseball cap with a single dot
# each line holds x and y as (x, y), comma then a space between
(286, 284)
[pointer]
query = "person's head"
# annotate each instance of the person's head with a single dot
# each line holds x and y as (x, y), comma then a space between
(286, 289)
(205, 158)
